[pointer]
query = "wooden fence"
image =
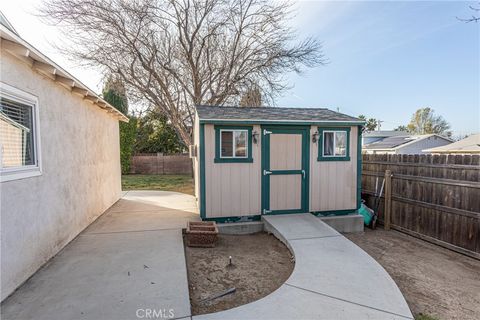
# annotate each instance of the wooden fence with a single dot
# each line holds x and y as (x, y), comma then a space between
(158, 163)
(432, 197)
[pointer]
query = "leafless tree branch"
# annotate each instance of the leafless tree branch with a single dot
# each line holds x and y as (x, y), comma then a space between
(475, 16)
(178, 53)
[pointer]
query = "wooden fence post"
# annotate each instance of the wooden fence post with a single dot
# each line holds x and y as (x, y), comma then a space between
(388, 199)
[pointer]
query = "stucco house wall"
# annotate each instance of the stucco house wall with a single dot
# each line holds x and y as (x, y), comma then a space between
(80, 176)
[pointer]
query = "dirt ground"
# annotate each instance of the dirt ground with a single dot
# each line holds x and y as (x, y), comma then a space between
(261, 264)
(434, 280)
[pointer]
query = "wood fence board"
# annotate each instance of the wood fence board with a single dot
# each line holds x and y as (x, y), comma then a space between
(433, 196)
(161, 164)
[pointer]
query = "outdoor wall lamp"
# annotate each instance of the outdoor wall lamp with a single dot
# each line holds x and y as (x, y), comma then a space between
(315, 137)
(255, 137)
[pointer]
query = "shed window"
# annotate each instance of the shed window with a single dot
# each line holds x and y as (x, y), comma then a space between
(334, 144)
(18, 135)
(233, 144)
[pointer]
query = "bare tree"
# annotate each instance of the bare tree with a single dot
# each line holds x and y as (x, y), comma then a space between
(252, 97)
(475, 16)
(178, 53)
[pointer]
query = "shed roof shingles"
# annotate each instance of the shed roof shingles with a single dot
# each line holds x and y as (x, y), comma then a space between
(272, 114)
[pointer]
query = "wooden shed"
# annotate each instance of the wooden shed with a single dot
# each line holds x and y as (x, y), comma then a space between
(254, 161)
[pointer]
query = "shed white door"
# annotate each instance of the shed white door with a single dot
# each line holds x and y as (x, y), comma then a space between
(285, 170)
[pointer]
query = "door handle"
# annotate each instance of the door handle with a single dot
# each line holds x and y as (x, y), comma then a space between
(303, 174)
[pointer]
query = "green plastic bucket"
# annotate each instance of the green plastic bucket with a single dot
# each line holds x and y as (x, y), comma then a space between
(367, 214)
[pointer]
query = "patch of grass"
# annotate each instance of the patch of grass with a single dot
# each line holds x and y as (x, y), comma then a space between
(177, 183)
(422, 316)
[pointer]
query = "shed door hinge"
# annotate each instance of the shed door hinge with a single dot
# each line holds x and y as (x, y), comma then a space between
(266, 172)
(265, 132)
(265, 211)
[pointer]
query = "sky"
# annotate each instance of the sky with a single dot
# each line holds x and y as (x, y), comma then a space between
(386, 59)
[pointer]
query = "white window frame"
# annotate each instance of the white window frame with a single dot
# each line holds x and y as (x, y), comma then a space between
(16, 173)
(234, 144)
(334, 144)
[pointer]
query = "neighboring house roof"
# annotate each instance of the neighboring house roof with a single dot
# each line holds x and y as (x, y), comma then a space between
(384, 133)
(4, 21)
(3, 117)
(470, 144)
(272, 114)
(15, 45)
(392, 143)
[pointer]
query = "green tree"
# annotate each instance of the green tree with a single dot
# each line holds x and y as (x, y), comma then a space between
(371, 124)
(401, 128)
(156, 134)
(114, 93)
(424, 121)
(128, 132)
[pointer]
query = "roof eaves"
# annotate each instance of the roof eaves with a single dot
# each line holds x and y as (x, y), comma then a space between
(15, 45)
(203, 120)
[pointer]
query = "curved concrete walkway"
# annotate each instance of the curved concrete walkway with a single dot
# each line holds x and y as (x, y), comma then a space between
(332, 279)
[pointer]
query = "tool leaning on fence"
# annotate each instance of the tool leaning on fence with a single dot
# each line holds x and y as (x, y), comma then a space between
(431, 197)
(370, 216)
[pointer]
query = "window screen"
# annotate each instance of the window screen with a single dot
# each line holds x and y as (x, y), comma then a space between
(334, 143)
(16, 134)
(234, 143)
(227, 143)
(340, 143)
(328, 144)
(240, 143)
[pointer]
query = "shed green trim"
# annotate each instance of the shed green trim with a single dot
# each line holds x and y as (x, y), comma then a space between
(283, 123)
(286, 172)
(320, 156)
(359, 167)
(334, 212)
(234, 219)
(305, 132)
(219, 159)
(202, 172)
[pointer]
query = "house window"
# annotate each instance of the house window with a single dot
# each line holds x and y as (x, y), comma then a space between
(233, 144)
(19, 154)
(334, 144)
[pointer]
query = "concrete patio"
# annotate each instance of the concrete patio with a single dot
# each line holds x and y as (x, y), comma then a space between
(131, 259)
(131, 262)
